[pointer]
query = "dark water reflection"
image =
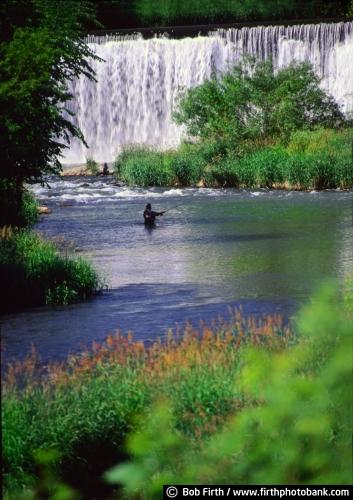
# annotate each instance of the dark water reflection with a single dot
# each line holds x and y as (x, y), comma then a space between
(266, 251)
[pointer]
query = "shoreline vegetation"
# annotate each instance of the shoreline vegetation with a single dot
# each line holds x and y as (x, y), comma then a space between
(33, 270)
(234, 402)
(251, 127)
(36, 274)
(320, 159)
(37, 63)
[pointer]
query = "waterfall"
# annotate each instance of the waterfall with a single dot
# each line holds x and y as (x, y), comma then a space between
(140, 80)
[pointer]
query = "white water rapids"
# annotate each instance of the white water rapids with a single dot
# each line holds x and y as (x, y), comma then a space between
(139, 81)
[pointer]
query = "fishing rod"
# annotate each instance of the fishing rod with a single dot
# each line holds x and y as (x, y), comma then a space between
(173, 208)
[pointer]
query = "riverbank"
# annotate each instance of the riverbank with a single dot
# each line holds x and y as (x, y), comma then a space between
(84, 170)
(34, 273)
(320, 159)
(226, 409)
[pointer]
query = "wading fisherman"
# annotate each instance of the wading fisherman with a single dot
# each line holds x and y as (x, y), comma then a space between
(149, 215)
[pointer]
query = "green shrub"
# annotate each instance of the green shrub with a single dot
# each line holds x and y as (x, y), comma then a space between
(318, 159)
(225, 173)
(172, 12)
(194, 162)
(18, 206)
(141, 166)
(187, 166)
(120, 161)
(326, 157)
(85, 420)
(323, 171)
(330, 141)
(246, 172)
(348, 296)
(268, 166)
(344, 173)
(253, 103)
(35, 274)
(29, 209)
(92, 166)
(318, 171)
(212, 150)
(263, 168)
(298, 172)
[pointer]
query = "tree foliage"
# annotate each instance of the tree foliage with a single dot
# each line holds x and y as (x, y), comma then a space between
(193, 11)
(349, 14)
(38, 59)
(252, 102)
(210, 10)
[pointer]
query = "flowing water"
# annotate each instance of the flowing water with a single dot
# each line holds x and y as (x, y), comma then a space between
(218, 249)
(138, 81)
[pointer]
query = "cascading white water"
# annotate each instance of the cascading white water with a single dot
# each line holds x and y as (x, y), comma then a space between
(140, 79)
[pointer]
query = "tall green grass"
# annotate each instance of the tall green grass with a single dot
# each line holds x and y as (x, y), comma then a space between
(86, 409)
(294, 429)
(144, 167)
(187, 166)
(244, 403)
(319, 159)
(33, 273)
(92, 166)
(322, 158)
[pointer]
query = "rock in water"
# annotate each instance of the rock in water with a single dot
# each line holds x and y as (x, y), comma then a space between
(44, 210)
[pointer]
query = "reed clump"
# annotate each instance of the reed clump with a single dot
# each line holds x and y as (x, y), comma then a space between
(143, 166)
(34, 273)
(319, 159)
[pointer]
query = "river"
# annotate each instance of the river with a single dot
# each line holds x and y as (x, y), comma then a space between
(265, 251)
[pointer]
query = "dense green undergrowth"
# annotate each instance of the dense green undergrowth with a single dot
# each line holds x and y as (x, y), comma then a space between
(34, 273)
(154, 12)
(18, 206)
(252, 127)
(294, 429)
(242, 403)
(316, 159)
(114, 14)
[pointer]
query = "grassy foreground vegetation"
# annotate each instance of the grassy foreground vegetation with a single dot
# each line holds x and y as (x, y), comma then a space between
(34, 273)
(245, 402)
(252, 127)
